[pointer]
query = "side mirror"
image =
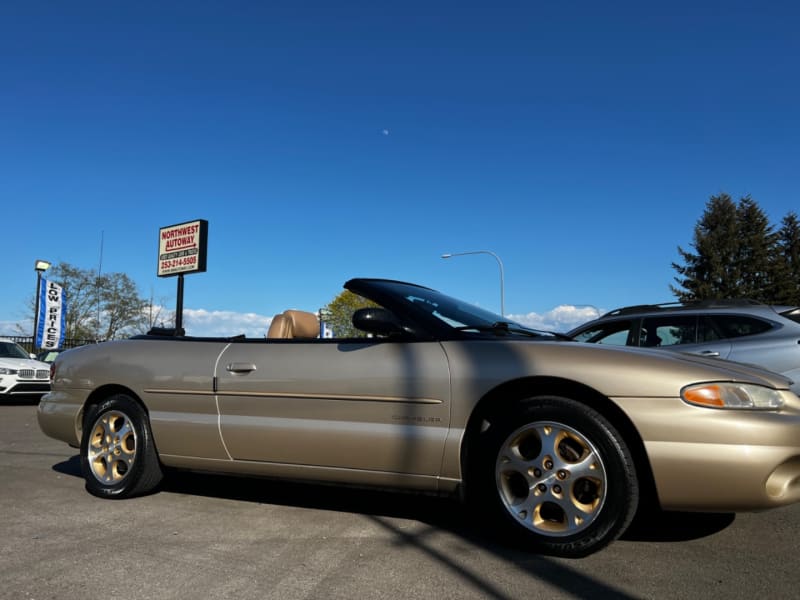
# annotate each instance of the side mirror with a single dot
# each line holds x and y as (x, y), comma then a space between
(377, 321)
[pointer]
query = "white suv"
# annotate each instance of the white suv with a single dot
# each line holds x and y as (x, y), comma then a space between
(20, 375)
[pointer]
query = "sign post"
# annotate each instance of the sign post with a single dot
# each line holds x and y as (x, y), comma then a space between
(182, 249)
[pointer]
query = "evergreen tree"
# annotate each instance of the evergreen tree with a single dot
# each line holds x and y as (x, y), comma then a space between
(712, 271)
(738, 255)
(786, 263)
(755, 249)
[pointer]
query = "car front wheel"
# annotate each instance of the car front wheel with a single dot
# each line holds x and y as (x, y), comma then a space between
(557, 474)
(118, 456)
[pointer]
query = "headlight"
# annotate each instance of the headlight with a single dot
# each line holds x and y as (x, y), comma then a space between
(5, 371)
(732, 395)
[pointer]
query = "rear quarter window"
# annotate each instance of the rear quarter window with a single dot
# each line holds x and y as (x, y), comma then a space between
(734, 326)
(792, 315)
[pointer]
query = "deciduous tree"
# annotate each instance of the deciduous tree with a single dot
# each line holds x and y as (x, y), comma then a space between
(339, 313)
(99, 307)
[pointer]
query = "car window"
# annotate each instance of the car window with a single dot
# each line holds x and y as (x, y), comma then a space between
(12, 350)
(668, 331)
(614, 333)
(733, 326)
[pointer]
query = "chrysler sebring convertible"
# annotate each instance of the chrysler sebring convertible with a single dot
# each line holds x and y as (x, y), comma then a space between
(556, 443)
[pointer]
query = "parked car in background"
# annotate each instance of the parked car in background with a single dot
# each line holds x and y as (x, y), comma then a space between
(742, 331)
(556, 443)
(49, 356)
(21, 376)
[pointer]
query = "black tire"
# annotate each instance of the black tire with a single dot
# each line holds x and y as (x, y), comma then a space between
(556, 475)
(118, 456)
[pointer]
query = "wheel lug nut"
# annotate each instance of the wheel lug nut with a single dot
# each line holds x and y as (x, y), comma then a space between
(542, 487)
(562, 474)
(548, 464)
(557, 489)
(537, 472)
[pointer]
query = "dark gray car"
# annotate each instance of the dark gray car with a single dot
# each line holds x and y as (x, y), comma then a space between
(742, 331)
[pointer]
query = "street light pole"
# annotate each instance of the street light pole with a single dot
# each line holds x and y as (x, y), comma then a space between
(499, 264)
(40, 266)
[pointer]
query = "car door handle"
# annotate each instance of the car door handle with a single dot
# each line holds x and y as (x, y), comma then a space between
(711, 353)
(238, 367)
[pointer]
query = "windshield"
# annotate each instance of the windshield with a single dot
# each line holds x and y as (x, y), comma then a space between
(450, 310)
(462, 315)
(428, 311)
(12, 350)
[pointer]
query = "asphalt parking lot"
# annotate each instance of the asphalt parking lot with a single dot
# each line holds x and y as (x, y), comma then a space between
(218, 537)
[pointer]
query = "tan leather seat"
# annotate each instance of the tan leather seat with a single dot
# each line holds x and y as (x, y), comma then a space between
(304, 324)
(294, 324)
(279, 328)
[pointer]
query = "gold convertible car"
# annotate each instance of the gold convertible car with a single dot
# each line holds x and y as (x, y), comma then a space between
(558, 442)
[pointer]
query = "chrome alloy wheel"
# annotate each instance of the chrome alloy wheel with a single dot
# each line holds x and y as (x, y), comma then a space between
(112, 447)
(551, 478)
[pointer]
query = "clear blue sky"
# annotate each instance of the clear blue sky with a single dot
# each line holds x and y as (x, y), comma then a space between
(578, 140)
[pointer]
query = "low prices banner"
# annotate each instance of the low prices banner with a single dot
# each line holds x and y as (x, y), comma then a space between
(52, 316)
(182, 248)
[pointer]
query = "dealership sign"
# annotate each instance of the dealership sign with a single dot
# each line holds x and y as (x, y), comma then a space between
(182, 248)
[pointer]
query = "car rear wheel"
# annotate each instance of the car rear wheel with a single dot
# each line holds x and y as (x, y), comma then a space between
(558, 475)
(118, 456)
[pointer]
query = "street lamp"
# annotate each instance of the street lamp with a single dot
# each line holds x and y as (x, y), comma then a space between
(40, 266)
(499, 264)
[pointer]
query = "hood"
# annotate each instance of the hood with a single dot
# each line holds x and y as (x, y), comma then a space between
(614, 371)
(663, 367)
(23, 363)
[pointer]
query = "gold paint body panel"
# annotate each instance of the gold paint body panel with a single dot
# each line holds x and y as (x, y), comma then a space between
(395, 413)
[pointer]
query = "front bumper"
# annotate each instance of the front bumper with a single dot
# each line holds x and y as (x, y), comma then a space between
(16, 387)
(719, 460)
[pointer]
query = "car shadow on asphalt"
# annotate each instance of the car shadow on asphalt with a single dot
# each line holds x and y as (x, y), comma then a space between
(72, 466)
(445, 513)
(667, 526)
(435, 514)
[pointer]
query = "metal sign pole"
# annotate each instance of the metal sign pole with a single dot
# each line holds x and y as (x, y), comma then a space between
(36, 309)
(179, 308)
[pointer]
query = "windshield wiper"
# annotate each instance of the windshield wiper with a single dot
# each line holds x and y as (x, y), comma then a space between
(506, 328)
(499, 328)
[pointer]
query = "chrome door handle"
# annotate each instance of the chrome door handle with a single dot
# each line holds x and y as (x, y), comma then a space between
(711, 353)
(238, 367)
